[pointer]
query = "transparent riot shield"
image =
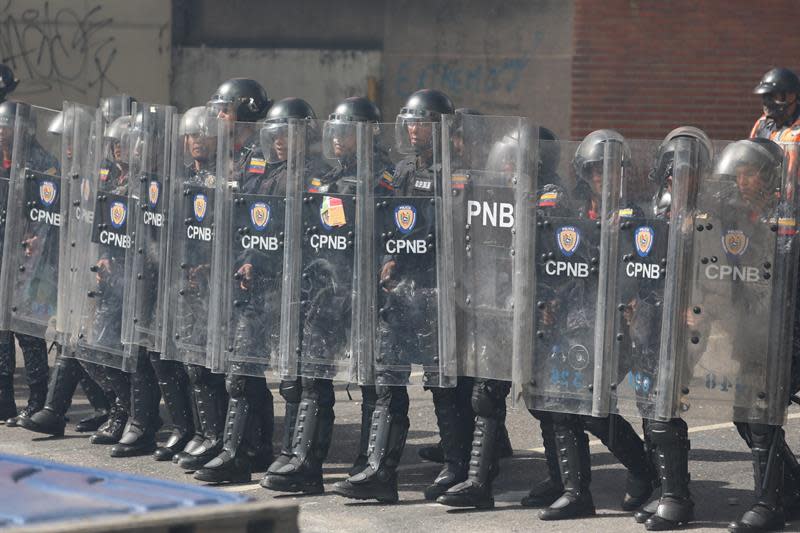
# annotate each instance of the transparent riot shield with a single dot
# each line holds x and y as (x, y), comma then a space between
(558, 276)
(651, 190)
(321, 251)
(76, 126)
(406, 276)
(33, 220)
(736, 356)
(487, 159)
(102, 242)
(250, 229)
(143, 294)
(191, 237)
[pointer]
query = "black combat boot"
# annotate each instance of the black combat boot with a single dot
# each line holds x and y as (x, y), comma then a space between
(671, 445)
(63, 381)
(544, 493)
(97, 399)
(139, 437)
(258, 438)
(289, 422)
(648, 509)
(174, 385)
(476, 491)
(231, 465)
(112, 430)
(211, 400)
(197, 438)
(576, 474)
(455, 428)
(368, 399)
(36, 400)
(378, 481)
(767, 513)
(310, 443)
(623, 442)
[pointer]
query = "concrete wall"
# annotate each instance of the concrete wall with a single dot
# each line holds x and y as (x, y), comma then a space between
(321, 77)
(83, 49)
(510, 58)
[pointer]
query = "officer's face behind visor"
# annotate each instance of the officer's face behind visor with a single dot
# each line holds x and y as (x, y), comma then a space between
(419, 133)
(339, 139)
(200, 146)
(592, 172)
(750, 183)
(275, 141)
(223, 111)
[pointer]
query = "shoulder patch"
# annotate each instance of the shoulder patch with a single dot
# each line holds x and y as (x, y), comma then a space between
(548, 199)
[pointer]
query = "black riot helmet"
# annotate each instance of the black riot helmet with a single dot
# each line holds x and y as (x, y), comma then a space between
(778, 80)
(67, 120)
(198, 127)
(591, 152)
(7, 81)
(242, 96)
(424, 106)
(773, 88)
(760, 158)
(339, 133)
(275, 129)
(116, 106)
(664, 161)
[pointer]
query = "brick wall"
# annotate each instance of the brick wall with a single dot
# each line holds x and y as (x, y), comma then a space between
(644, 67)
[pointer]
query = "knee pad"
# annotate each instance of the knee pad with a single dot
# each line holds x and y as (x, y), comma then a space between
(235, 385)
(672, 432)
(291, 391)
(488, 397)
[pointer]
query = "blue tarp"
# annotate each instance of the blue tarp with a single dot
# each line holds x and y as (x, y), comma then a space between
(36, 491)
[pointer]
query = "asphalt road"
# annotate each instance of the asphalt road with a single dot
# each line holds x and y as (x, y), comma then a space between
(720, 466)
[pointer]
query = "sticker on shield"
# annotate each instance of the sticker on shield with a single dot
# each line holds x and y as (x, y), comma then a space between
(47, 193)
(644, 236)
(259, 215)
(405, 218)
(568, 238)
(578, 357)
(86, 189)
(200, 203)
(152, 193)
(735, 242)
(119, 212)
(331, 212)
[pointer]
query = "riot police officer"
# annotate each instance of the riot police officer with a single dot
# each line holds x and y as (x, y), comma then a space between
(68, 371)
(419, 174)
(34, 350)
(779, 90)
(755, 166)
(325, 333)
(571, 442)
(247, 443)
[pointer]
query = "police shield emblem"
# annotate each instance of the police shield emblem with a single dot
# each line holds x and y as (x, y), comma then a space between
(152, 193)
(331, 213)
(735, 242)
(47, 193)
(405, 218)
(644, 237)
(568, 238)
(200, 203)
(259, 215)
(118, 214)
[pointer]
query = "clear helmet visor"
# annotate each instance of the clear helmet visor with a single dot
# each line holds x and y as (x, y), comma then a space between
(415, 135)
(339, 139)
(274, 139)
